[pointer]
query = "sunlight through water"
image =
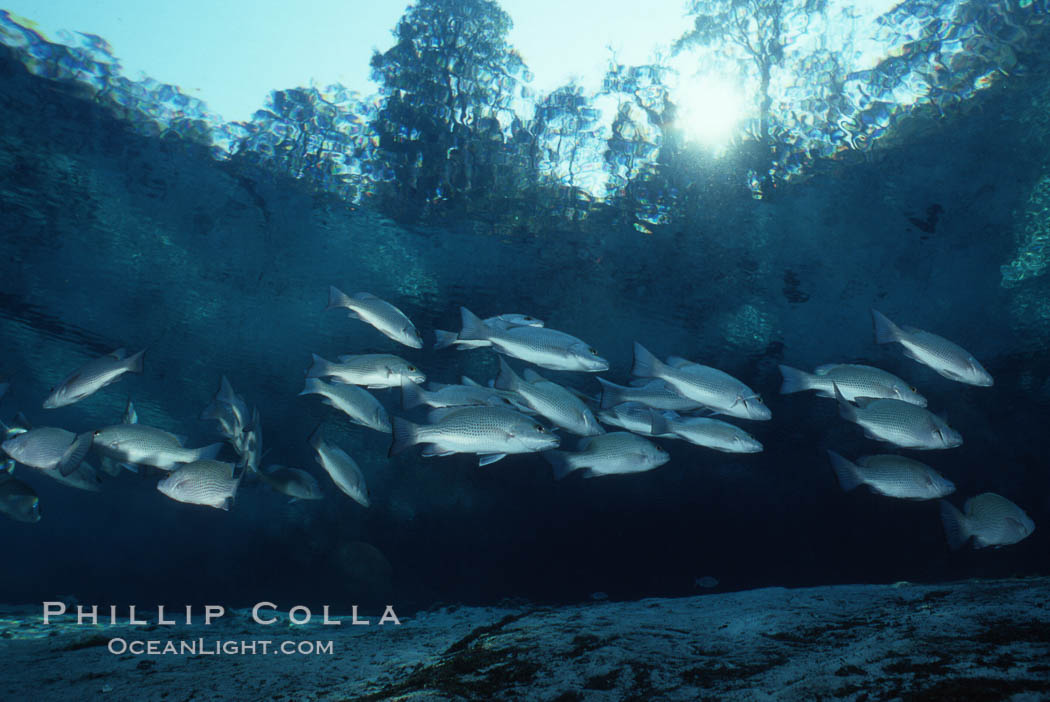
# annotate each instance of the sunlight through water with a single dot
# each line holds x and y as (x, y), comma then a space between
(711, 110)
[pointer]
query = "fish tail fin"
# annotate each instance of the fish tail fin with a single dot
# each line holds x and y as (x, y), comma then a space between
(955, 525)
(658, 423)
(474, 328)
(313, 386)
(612, 394)
(225, 393)
(886, 332)
(444, 339)
(560, 463)
(405, 434)
(845, 471)
(645, 365)
(134, 363)
(209, 452)
(75, 453)
(795, 380)
(412, 395)
(316, 437)
(319, 368)
(336, 297)
(848, 411)
(507, 378)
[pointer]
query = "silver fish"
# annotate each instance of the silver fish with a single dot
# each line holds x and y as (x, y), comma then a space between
(49, 448)
(343, 470)
(707, 432)
(251, 451)
(490, 432)
(137, 443)
(85, 477)
(130, 415)
(991, 519)
(653, 393)
(632, 416)
(500, 321)
(893, 476)
(18, 500)
(355, 402)
(372, 370)
(296, 484)
(608, 454)
(853, 380)
(206, 482)
(948, 359)
(550, 400)
(540, 346)
(469, 393)
(231, 412)
(708, 386)
(92, 377)
(900, 423)
(389, 320)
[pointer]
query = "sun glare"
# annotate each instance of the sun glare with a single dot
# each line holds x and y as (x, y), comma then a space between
(710, 111)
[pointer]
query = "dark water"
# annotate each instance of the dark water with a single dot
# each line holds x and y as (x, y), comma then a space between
(112, 238)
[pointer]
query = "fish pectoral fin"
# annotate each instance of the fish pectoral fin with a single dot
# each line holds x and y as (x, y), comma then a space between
(485, 459)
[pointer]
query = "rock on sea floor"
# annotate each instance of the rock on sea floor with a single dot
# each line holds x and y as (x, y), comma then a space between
(978, 640)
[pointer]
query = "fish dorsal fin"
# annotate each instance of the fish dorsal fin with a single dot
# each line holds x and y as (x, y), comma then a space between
(532, 376)
(470, 383)
(22, 421)
(119, 354)
(584, 443)
(863, 402)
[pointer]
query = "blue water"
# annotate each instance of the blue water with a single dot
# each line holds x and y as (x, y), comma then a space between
(118, 233)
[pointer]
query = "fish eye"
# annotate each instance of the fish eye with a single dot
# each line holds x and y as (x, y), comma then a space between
(411, 368)
(527, 318)
(540, 429)
(97, 432)
(913, 389)
(593, 351)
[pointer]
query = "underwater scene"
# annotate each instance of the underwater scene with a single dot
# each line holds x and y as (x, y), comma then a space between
(530, 365)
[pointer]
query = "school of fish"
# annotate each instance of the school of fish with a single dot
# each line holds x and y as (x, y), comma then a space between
(518, 412)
